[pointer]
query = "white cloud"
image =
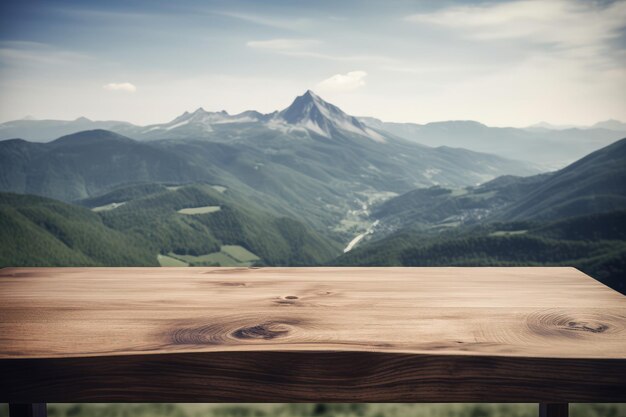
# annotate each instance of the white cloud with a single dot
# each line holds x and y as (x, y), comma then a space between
(343, 82)
(283, 44)
(565, 23)
(274, 22)
(343, 58)
(304, 48)
(37, 54)
(128, 87)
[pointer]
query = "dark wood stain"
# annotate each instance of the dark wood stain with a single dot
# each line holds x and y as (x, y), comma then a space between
(310, 376)
(310, 334)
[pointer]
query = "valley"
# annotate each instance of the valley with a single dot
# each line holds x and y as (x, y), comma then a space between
(574, 216)
(359, 237)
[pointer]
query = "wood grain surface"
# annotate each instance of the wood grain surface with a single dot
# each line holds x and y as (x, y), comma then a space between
(310, 334)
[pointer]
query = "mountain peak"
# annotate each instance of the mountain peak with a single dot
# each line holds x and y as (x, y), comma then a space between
(87, 137)
(311, 112)
(309, 98)
(310, 95)
(611, 124)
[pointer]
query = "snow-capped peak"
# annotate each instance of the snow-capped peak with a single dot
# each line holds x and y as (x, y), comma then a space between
(308, 112)
(311, 112)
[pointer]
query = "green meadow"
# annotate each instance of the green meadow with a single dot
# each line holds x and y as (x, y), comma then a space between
(229, 255)
(199, 210)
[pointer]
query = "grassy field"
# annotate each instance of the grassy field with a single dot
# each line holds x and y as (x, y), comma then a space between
(108, 207)
(199, 210)
(215, 258)
(165, 260)
(239, 253)
(229, 255)
(508, 232)
(323, 410)
(458, 192)
(219, 188)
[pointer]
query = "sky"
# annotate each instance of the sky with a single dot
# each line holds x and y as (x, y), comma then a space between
(503, 63)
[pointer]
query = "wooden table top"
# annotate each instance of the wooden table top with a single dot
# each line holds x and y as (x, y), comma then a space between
(310, 334)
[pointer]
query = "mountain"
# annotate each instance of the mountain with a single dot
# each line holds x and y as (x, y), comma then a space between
(37, 231)
(598, 226)
(148, 224)
(543, 145)
(145, 225)
(548, 148)
(295, 186)
(310, 161)
(574, 216)
(543, 126)
(593, 184)
(310, 112)
(199, 123)
(307, 113)
(47, 130)
(195, 222)
(86, 163)
(599, 255)
(439, 208)
(611, 124)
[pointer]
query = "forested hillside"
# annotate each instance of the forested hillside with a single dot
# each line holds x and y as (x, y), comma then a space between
(148, 224)
(37, 231)
(574, 216)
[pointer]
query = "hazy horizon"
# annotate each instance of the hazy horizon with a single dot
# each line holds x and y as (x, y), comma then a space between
(542, 123)
(504, 63)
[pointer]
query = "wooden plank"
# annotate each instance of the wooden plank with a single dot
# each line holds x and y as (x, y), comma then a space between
(310, 376)
(310, 334)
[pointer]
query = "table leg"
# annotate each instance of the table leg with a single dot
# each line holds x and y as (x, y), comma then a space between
(28, 410)
(553, 410)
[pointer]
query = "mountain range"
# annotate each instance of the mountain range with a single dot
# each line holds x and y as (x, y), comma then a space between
(574, 216)
(310, 185)
(593, 184)
(549, 147)
(310, 161)
(543, 145)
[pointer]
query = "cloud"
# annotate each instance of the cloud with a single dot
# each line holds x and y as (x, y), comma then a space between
(343, 58)
(343, 82)
(283, 44)
(127, 87)
(563, 23)
(37, 54)
(274, 22)
(302, 48)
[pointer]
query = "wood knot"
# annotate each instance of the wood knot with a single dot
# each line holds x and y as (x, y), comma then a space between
(587, 326)
(233, 284)
(231, 330)
(265, 331)
(286, 300)
(572, 324)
